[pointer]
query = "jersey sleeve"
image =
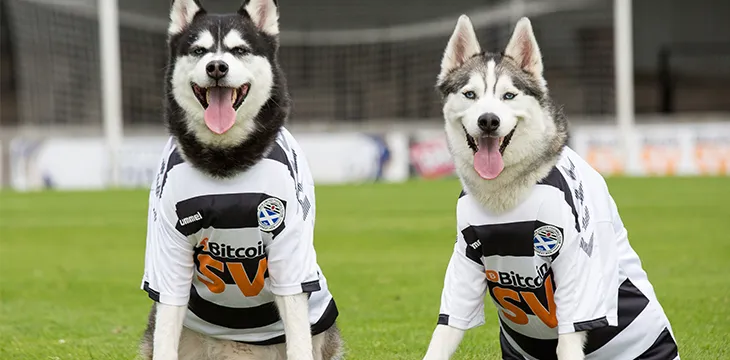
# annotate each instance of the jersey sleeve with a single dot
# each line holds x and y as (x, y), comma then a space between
(169, 264)
(586, 275)
(292, 260)
(465, 286)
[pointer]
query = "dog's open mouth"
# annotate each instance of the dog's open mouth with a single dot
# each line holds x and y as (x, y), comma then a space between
(237, 96)
(220, 104)
(488, 153)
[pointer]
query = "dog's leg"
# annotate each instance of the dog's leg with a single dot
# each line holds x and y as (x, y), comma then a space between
(194, 346)
(147, 343)
(168, 327)
(317, 345)
(294, 312)
(570, 346)
(444, 343)
(332, 345)
(328, 345)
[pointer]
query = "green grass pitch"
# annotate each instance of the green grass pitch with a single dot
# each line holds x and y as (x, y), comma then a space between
(70, 267)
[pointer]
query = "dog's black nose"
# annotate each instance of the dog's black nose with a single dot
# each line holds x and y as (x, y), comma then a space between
(488, 122)
(217, 69)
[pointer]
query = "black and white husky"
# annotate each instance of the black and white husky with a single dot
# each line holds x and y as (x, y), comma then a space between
(230, 260)
(538, 231)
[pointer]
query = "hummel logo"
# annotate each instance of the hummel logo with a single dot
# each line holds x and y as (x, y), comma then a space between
(586, 217)
(191, 219)
(476, 244)
(587, 246)
(571, 170)
(579, 193)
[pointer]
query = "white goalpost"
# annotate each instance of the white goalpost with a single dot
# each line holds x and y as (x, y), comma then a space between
(111, 79)
(624, 72)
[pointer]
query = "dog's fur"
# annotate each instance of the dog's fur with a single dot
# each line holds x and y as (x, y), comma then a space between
(265, 109)
(532, 127)
(193, 346)
(247, 42)
(540, 128)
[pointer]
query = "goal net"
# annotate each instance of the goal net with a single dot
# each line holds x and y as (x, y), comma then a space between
(346, 62)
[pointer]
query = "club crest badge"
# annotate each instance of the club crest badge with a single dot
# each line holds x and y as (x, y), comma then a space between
(271, 214)
(547, 240)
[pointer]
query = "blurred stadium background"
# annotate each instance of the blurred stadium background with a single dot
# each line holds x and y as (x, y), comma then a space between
(362, 78)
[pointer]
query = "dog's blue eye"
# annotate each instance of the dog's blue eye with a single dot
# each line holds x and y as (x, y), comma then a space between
(199, 51)
(470, 95)
(238, 51)
(509, 96)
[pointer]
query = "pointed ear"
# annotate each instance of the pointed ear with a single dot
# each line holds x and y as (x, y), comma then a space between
(182, 14)
(263, 13)
(523, 48)
(462, 46)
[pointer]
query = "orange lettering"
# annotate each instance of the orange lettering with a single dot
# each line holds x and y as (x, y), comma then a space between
(214, 283)
(548, 316)
(248, 288)
(517, 316)
(204, 244)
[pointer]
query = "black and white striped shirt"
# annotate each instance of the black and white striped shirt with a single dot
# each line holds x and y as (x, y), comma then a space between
(559, 262)
(225, 247)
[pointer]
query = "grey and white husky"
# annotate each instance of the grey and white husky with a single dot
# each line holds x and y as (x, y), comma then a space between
(226, 102)
(513, 158)
(538, 231)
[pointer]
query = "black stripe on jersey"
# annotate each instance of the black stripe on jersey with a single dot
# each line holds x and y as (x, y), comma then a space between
(508, 239)
(508, 352)
(631, 302)
(154, 295)
(174, 159)
(504, 239)
(462, 194)
(664, 348)
(277, 153)
(232, 318)
(543, 349)
(555, 179)
(591, 324)
(222, 211)
(311, 286)
(443, 319)
(473, 245)
(325, 322)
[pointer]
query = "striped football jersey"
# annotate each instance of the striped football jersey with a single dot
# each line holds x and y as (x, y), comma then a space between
(225, 247)
(559, 262)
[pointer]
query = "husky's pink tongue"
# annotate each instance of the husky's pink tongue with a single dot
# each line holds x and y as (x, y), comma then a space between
(220, 115)
(488, 161)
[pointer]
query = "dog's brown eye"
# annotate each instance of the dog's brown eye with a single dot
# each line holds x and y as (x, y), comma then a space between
(470, 95)
(509, 96)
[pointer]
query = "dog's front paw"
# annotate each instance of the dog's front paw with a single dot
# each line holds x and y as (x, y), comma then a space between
(572, 357)
(430, 356)
(570, 346)
(299, 357)
(166, 357)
